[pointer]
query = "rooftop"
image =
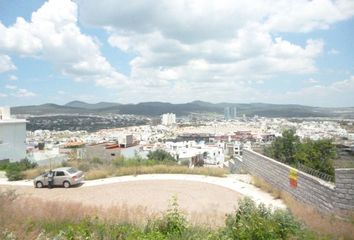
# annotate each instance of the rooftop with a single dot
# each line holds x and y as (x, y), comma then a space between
(5, 121)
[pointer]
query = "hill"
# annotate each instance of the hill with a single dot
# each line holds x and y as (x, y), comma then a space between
(158, 108)
(80, 104)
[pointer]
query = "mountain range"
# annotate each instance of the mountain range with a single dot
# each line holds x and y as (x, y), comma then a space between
(195, 107)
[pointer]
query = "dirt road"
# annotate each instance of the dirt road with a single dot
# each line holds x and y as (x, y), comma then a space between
(153, 194)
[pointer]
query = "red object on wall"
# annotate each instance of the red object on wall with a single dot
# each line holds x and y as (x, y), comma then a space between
(293, 182)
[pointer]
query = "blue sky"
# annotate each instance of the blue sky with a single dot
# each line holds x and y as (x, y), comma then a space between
(281, 51)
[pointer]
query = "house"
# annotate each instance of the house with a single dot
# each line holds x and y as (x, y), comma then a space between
(12, 137)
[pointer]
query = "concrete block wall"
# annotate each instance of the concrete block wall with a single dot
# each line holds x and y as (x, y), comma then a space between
(344, 190)
(236, 166)
(310, 190)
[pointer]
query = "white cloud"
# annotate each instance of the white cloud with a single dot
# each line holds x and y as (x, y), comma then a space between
(53, 34)
(13, 77)
(19, 38)
(312, 80)
(334, 94)
(184, 50)
(199, 20)
(6, 63)
(12, 87)
(189, 44)
(21, 92)
(306, 16)
(202, 41)
(250, 54)
(2, 95)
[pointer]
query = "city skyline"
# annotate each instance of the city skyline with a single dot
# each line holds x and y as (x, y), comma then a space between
(284, 52)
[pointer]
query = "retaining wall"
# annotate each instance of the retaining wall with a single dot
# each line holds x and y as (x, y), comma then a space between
(325, 196)
(344, 190)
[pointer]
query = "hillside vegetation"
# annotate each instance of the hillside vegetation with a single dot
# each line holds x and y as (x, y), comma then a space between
(158, 108)
(316, 154)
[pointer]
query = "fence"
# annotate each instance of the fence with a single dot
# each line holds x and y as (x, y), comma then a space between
(315, 172)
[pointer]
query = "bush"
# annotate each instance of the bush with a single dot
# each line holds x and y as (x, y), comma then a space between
(248, 222)
(160, 156)
(3, 164)
(13, 173)
(260, 222)
(14, 170)
(173, 223)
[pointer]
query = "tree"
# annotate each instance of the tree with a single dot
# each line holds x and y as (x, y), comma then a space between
(317, 155)
(314, 154)
(284, 148)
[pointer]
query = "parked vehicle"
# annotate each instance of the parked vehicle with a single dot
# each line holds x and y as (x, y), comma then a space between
(65, 176)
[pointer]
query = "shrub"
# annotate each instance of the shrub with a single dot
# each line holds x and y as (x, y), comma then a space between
(160, 156)
(248, 222)
(260, 222)
(173, 223)
(84, 166)
(97, 161)
(3, 164)
(14, 170)
(14, 173)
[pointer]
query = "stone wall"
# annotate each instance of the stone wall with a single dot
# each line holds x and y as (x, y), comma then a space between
(323, 195)
(344, 190)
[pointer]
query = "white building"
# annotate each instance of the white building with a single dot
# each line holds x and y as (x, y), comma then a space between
(186, 151)
(168, 119)
(12, 136)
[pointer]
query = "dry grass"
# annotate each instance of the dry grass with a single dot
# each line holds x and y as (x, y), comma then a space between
(137, 170)
(325, 224)
(276, 193)
(97, 171)
(18, 211)
(34, 172)
(33, 213)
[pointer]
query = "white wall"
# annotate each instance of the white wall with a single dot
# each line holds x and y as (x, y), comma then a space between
(12, 140)
(5, 113)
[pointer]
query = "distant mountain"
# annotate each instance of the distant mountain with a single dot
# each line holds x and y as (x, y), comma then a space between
(158, 108)
(47, 108)
(79, 104)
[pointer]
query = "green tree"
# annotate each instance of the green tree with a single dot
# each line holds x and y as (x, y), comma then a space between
(318, 155)
(160, 156)
(284, 148)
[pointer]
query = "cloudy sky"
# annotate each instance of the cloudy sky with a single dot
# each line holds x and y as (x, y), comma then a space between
(274, 51)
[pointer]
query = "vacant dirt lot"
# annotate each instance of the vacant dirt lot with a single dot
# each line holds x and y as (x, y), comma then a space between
(194, 198)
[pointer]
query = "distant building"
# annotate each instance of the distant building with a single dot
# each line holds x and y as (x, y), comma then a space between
(126, 141)
(233, 113)
(230, 113)
(227, 114)
(168, 119)
(12, 136)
